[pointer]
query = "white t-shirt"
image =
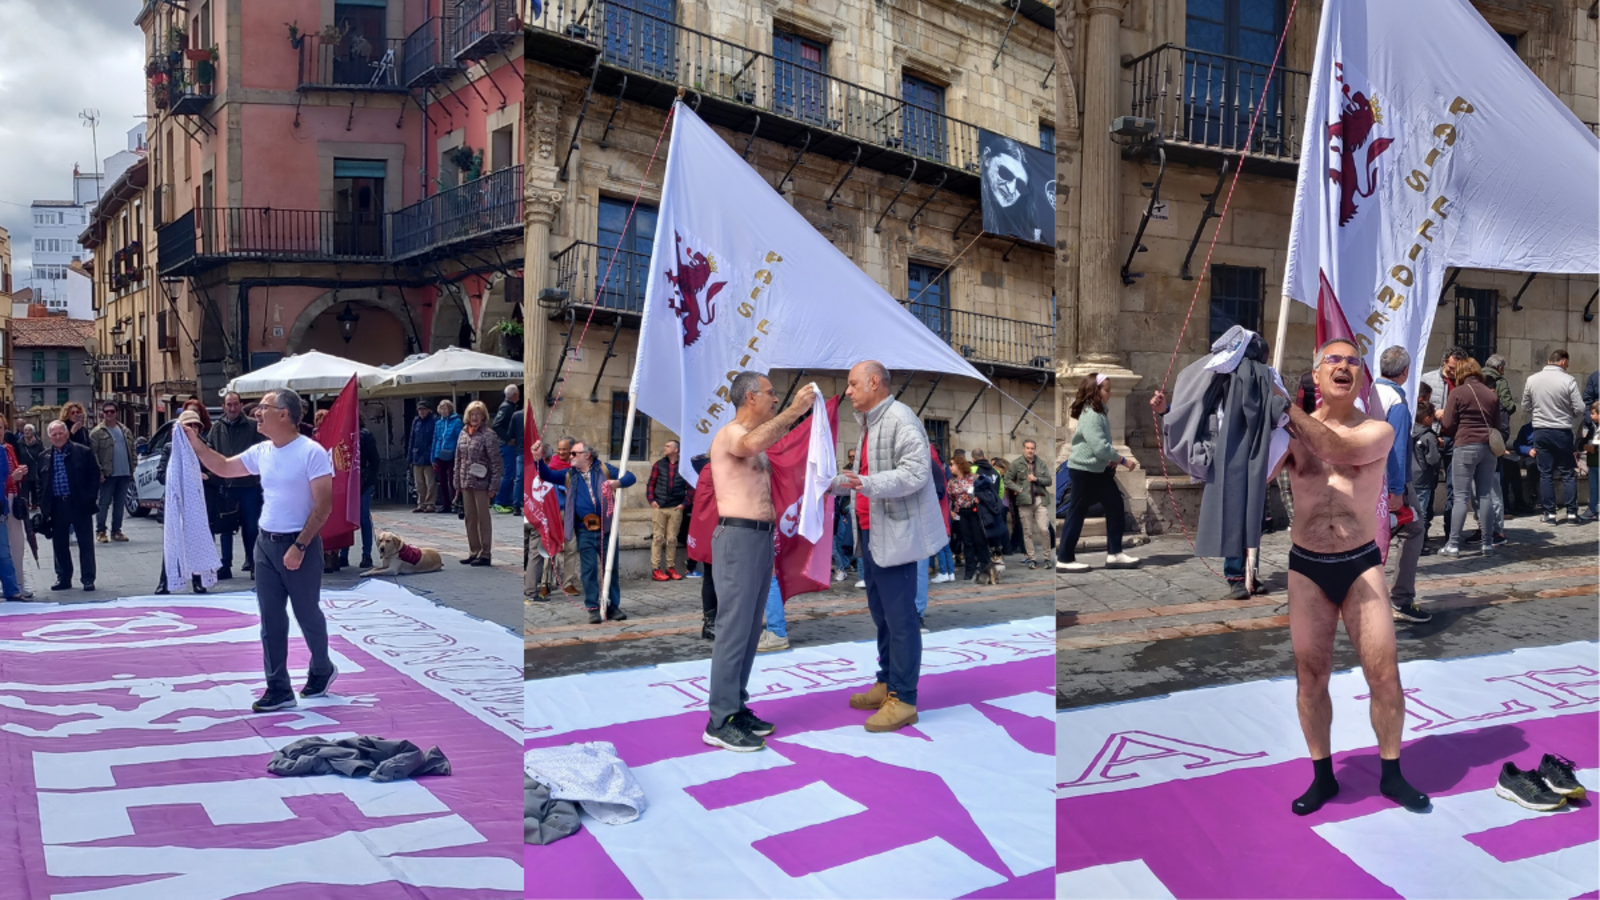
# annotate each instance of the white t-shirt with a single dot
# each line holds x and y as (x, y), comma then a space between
(286, 475)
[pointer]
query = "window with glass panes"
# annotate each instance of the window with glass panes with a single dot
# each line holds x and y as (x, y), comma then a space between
(63, 366)
(939, 436)
(798, 86)
(625, 283)
(639, 448)
(1477, 312)
(1235, 299)
(922, 118)
(1231, 44)
(38, 367)
(1047, 138)
(928, 290)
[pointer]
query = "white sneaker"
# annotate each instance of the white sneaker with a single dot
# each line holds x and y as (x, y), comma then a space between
(862, 583)
(770, 642)
(1072, 567)
(1121, 561)
(841, 576)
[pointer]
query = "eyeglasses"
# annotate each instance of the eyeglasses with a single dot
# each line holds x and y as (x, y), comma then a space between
(1335, 359)
(261, 406)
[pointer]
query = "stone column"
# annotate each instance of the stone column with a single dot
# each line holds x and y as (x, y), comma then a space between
(541, 203)
(1100, 289)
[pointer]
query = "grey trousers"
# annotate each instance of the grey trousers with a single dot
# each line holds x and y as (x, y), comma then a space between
(278, 589)
(742, 574)
(1412, 535)
(1473, 471)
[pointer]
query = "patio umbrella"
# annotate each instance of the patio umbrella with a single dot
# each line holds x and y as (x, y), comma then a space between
(311, 372)
(451, 369)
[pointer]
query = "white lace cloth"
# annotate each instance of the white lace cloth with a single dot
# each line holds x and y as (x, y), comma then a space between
(591, 775)
(821, 468)
(186, 529)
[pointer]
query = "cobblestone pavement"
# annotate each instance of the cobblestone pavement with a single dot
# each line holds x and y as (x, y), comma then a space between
(664, 620)
(1167, 625)
(492, 592)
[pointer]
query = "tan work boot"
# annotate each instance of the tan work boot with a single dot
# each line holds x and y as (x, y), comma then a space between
(892, 715)
(872, 699)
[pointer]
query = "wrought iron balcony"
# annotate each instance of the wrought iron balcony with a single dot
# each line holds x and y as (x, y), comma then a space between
(209, 236)
(1203, 101)
(1007, 345)
(427, 58)
(181, 80)
(485, 27)
(644, 57)
(487, 209)
(582, 268)
(353, 63)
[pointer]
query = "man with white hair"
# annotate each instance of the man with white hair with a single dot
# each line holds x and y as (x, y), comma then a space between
(69, 487)
(505, 500)
(901, 526)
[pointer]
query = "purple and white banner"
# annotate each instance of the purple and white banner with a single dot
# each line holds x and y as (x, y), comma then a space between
(1188, 795)
(957, 805)
(134, 768)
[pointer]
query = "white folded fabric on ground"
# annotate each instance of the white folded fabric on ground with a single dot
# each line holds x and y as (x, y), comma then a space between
(821, 467)
(591, 775)
(186, 539)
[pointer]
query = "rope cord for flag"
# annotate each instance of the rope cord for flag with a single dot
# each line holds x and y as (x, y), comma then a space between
(600, 289)
(1205, 269)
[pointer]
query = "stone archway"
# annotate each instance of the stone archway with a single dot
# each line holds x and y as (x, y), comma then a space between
(360, 299)
(499, 304)
(448, 319)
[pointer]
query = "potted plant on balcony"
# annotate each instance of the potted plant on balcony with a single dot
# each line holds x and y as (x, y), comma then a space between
(468, 161)
(510, 332)
(177, 39)
(205, 72)
(295, 37)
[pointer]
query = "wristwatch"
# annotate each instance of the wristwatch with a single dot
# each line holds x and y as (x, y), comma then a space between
(301, 547)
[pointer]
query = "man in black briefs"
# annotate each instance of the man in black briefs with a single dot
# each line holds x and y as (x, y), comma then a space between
(1336, 465)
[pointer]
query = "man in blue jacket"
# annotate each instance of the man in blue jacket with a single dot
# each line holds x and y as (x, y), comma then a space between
(587, 515)
(419, 452)
(446, 432)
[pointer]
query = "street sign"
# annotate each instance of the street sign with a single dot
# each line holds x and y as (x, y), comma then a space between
(114, 362)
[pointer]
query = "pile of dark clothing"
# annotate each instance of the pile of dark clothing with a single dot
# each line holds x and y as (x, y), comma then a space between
(358, 757)
(544, 818)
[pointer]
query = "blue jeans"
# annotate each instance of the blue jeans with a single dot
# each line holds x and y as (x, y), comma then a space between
(891, 599)
(840, 560)
(591, 560)
(922, 587)
(776, 623)
(508, 475)
(1594, 493)
(1555, 460)
(8, 571)
(516, 491)
(1233, 568)
(249, 500)
(946, 561)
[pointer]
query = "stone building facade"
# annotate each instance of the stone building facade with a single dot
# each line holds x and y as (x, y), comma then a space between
(815, 95)
(1130, 327)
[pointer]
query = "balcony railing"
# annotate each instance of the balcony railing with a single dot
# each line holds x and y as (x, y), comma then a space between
(485, 27)
(217, 234)
(583, 266)
(353, 63)
(639, 42)
(1206, 100)
(477, 209)
(980, 338)
(427, 58)
(984, 339)
(181, 81)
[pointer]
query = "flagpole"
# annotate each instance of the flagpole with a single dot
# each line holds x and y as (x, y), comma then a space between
(616, 517)
(1283, 333)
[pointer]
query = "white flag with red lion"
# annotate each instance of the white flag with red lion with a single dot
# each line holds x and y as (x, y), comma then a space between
(1429, 145)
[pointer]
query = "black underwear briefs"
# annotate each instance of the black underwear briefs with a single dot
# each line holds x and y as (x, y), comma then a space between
(1335, 572)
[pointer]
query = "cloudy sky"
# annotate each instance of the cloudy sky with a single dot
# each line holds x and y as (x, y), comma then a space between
(57, 58)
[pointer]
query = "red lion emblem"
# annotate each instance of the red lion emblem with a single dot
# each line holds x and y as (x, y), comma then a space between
(1357, 117)
(692, 277)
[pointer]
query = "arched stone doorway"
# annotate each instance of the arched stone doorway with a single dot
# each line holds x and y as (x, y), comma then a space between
(500, 304)
(384, 335)
(449, 324)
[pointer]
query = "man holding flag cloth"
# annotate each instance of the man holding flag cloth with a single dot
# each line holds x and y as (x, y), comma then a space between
(1429, 144)
(297, 497)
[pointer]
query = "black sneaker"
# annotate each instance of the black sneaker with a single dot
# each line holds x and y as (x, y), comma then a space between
(747, 720)
(1549, 519)
(730, 736)
(617, 615)
(1238, 591)
(594, 617)
(224, 574)
(272, 701)
(1527, 790)
(1556, 772)
(317, 685)
(1410, 613)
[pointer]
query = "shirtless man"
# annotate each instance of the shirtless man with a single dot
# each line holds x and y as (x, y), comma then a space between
(1336, 463)
(742, 546)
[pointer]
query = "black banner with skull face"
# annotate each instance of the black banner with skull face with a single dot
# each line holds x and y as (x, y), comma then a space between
(1019, 189)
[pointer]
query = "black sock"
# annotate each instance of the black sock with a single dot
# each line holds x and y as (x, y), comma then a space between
(1323, 788)
(1394, 786)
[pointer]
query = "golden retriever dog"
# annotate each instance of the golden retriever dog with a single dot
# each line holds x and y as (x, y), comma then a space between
(396, 557)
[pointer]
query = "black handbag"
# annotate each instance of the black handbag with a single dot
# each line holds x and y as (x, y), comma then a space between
(19, 508)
